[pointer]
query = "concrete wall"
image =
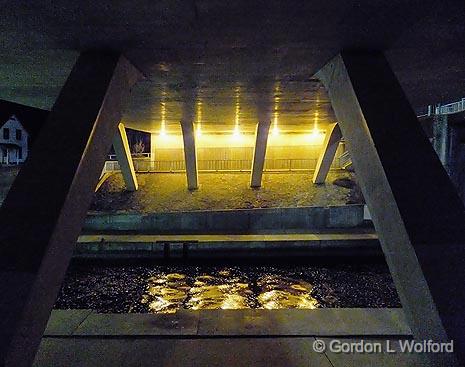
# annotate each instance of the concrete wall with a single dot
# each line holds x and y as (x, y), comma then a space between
(220, 148)
(242, 220)
(228, 249)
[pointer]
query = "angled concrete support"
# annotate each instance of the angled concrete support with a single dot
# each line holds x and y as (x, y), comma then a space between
(332, 138)
(190, 154)
(258, 163)
(188, 134)
(43, 213)
(418, 215)
(442, 139)
(123, 154)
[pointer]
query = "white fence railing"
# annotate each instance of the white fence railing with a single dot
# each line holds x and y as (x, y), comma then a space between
(238, 165)
(344, 159)
(446, 109)
(112, 157)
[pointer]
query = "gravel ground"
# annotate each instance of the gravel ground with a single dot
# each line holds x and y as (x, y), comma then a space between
(160, 192)
(127, 288)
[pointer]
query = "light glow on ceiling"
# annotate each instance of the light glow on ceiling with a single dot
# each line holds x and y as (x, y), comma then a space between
(163, 114)
(198, 127)
(316, 136)
(275, 130)
(237, 113)
(237, 135)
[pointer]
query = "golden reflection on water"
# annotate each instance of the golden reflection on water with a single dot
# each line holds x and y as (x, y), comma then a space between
(280, 292)
(168, 292)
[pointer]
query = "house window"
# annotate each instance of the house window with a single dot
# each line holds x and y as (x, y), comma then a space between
(6, 133)
(20, 150)
(19, 134)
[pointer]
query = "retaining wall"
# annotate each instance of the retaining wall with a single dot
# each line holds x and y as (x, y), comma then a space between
(241, 220)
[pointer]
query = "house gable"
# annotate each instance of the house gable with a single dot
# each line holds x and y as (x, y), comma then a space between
(32, 119)
(13, 124)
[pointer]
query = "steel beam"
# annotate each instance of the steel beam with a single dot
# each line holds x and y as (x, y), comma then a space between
(332, 139)
(123, 154)
(43, 212)
(259, 153)
(416, 211)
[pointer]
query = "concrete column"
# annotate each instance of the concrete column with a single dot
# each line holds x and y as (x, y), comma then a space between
(258, 163)
(45, 208)
(417, 214)
(441, 139)
(123, 154)
(190, 154)
(332, 139)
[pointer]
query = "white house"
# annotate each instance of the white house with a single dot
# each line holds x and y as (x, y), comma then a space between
(13, 142)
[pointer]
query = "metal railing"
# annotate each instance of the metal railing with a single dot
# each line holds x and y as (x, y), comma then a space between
(231, 165)
(112, 157)
(446, 109)
(290, 164)
(344, 159)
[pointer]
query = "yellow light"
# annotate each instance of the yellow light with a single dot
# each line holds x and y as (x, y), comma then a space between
(237, 111)
(198, 130)
(163, 117)
(163, 128)
(198, 126)
(315, 123)
(199, 111)
(316, 136)
(275, 131)
(237, 132)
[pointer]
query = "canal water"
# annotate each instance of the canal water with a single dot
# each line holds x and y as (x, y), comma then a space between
(162, 288)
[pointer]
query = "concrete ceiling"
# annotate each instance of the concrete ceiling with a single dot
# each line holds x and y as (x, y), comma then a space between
(236, 53)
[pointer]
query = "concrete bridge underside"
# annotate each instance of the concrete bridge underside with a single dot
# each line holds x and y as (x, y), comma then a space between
(240, 60)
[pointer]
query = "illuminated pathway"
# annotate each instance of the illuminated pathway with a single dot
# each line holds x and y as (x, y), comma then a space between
(227, 338)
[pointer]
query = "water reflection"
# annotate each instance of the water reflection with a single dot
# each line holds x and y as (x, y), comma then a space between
(227, 288)
(166, 293)
(280, 292)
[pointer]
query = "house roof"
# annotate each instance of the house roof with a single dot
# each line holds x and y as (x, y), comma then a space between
(31, 118)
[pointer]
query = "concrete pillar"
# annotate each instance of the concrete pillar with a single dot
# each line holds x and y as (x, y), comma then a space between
(258, 163)
(441, 139)
(190, 154)
(123, 154)
(332, 139)
(456, 161)
(45, 208)
(417, 214)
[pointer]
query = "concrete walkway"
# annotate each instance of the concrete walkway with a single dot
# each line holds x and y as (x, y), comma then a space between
(289, 237)
(350, 242)
(222, 338)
